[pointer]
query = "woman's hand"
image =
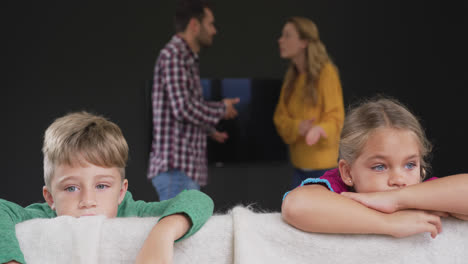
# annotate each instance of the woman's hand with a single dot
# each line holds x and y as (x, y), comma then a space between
(304, 126)
(314, 134)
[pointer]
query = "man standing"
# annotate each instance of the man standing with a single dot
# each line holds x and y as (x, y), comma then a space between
(181, 117)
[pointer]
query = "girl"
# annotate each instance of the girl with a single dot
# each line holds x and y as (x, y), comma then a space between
(310, 112)
(382, 160)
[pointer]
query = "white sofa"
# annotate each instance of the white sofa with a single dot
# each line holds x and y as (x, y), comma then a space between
(241, 236)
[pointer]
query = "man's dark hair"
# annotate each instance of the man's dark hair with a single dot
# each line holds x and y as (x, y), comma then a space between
(188, 9)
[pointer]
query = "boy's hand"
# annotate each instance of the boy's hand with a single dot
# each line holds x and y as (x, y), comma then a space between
(159, 245)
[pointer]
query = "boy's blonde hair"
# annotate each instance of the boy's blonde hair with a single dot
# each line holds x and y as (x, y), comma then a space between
(83, 136)
(379, 112)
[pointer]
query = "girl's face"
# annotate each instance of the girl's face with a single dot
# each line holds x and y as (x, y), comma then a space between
(390, 159)
(290, 44)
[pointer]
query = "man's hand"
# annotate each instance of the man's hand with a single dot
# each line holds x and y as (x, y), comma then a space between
(304, 126)
(314, 134)
(159, 245)
(219, 136)
(231, 112)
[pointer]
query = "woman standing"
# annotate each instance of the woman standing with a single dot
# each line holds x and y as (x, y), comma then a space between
(310, 112)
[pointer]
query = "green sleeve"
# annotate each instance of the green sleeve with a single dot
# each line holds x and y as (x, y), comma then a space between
(10, 215)
(195, 204)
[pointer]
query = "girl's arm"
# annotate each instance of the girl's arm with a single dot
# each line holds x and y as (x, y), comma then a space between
(313, 208)
(448, 194)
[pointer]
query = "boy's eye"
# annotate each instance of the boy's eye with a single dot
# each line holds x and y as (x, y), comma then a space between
(101, 186)
(71, 189)
(410, 165)
(379, 167)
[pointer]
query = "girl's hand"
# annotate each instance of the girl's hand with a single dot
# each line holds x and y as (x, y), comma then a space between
(410, 222)
(386, 202)
(314, 134)
(459, 216)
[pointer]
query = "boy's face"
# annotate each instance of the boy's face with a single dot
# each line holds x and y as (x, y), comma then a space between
(85, 189)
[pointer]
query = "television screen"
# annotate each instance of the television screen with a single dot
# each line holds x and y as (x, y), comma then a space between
(252, 134)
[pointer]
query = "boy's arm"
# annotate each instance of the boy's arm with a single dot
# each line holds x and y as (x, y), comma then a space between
(313, 208)
(181, 216)
(448, 194)
(10, 215)
(195, 205)
(159, 245)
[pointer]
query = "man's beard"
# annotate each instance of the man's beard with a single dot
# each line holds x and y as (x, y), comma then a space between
(204, 41)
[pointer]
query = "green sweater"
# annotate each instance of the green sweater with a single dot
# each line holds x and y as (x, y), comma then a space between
(196, 205)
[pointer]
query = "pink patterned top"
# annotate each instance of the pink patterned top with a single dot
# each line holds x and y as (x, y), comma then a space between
(332, 180)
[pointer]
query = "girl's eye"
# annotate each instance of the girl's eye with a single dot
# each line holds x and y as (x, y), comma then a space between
(410, 165)
(379, 167)
(71, 189)
(101, 186)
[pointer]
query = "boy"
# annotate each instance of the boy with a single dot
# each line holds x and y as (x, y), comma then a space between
(84, 173)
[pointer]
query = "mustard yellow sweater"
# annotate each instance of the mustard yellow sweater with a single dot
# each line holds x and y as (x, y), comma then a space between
(328, 113)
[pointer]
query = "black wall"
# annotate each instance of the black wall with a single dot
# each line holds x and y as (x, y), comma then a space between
(67, 56)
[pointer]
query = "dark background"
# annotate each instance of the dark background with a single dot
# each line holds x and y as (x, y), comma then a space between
(62, 56)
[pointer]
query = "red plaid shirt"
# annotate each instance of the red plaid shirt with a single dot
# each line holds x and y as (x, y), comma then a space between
(181, 117)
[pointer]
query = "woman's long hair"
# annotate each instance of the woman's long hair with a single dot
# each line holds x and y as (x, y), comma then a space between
(316, 56)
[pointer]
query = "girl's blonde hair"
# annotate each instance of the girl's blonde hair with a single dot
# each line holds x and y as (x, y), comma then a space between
(82, 136)
(361, 121)
(316, 56)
